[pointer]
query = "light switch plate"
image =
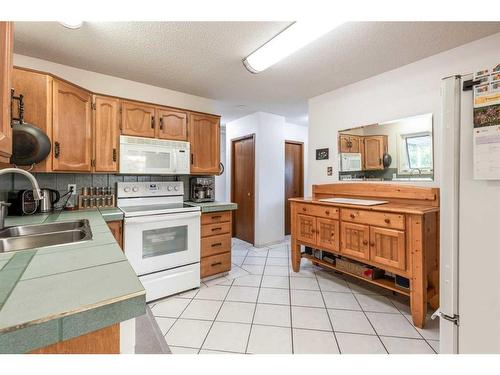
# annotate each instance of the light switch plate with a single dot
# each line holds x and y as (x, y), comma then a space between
(74, 188)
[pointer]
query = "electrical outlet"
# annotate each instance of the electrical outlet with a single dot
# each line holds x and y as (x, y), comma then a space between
(72, 186)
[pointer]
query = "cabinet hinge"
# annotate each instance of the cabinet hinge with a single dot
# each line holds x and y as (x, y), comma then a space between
(92, 162)
(93, 106)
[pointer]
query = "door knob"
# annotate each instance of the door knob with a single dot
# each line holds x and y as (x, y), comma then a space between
(248, 194)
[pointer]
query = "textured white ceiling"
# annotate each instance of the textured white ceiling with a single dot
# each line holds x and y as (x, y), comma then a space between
(204, 58)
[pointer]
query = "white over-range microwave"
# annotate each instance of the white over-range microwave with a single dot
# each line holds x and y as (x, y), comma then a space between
(350, 162)
(153, 156)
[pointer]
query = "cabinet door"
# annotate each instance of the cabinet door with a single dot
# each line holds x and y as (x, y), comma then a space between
(171, 125)
(374, 152)
(344, 143)
(355, 240)
(204, 136)
(306, 229)
(387, 247)
(328, 234)
(106, 133)
(71, 129)
(6, 45)
(138, 119)
(116, 231)
(354, 144)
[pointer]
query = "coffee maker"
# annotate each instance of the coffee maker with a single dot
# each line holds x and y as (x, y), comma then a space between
(202, 189)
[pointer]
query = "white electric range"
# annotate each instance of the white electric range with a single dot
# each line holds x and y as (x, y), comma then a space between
(161, 236)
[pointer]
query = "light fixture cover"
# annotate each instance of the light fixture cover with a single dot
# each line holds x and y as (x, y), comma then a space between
(290, 40)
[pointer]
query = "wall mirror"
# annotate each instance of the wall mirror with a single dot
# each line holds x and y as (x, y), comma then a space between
(399, 150)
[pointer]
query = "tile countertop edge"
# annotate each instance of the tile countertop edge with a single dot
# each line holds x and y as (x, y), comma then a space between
(214, 206)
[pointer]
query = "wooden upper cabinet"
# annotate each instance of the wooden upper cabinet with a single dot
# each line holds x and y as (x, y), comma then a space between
(387, 247)
(6, 48)
(204, 136)
(106, 133)
(306, 228)
(171, 124)
(138, 119)
(328, 234)
(355, 240)
(350, 143)
(374, 149)
(72, 128)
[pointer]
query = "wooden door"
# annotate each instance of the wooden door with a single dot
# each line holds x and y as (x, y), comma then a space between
(355, 240)
(387, 247)
(243, 187)
(306, 229)
(294, 177)
(6, 53)
(374, 152)
(71, 128)
(116, 230)
(171, 125)
(138, 119)
(204, 136)
(328, 234)
(106, 133)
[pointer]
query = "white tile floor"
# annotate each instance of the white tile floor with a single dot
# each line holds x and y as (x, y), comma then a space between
(262, 306)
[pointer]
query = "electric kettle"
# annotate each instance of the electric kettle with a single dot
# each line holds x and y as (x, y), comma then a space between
(49, 199)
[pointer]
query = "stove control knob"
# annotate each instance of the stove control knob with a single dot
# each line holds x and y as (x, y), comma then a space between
(169, 188)
(176, 188)
(126, 189)
(135, 189)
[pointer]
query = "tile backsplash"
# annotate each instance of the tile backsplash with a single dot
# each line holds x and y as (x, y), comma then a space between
(60, 181)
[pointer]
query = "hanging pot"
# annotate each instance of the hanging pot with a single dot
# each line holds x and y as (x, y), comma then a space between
(386, 160)
(30, 145)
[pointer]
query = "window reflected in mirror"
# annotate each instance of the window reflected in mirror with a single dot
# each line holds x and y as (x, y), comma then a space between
(390, 151)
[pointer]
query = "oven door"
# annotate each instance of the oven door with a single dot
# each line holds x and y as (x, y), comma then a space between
(160, 242)
(149, 159)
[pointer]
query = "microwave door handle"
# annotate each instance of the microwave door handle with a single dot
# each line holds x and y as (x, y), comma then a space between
(174, 161)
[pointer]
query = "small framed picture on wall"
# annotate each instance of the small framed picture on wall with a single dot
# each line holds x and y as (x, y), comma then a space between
(322, 154)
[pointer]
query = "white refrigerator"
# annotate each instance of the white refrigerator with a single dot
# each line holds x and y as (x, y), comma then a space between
(470, 234)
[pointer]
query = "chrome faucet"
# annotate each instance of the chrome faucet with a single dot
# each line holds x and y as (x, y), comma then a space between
(37, 193)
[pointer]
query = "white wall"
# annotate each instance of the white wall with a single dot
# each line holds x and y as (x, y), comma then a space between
(220, 181)
(407, 91)
(270, 133)
(105, 84)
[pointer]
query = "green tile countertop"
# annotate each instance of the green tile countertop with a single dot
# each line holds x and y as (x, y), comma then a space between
(214, 206)
(111, 213)
(50, 294)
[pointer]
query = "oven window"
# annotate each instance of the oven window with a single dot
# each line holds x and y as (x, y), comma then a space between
(164, 241)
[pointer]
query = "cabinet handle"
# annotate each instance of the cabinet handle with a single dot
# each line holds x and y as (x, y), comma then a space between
(215, 264)
(216, 217)
(388, 221)
(161, 123)
(304, 209)
(57, 149)
(192, 159)
(217, 244)
(379, 161)
(372, 244)
(216, 229)
(114, 154)
(152, 122)
(352, 216)
(365, 242)
(327, 212)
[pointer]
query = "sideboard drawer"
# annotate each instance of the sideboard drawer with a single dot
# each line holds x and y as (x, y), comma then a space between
(215, 264)
(215, 217)
(215, 229)
(215, 245)
(327, 212)
(379, 219)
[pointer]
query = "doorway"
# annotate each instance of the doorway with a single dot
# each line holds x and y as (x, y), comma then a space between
(243, 187)
(294, 176)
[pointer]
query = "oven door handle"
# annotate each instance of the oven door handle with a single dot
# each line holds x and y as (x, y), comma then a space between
(162, 218)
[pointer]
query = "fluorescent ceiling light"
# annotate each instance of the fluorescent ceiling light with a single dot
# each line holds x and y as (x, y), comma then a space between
(72, 24)
(290, 40)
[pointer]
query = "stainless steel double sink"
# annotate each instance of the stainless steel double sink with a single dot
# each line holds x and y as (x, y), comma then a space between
(38, 235)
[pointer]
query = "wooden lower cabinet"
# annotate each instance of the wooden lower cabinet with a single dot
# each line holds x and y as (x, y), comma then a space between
(215, 243)
(102, 341)
(402, 240)
(116, 228)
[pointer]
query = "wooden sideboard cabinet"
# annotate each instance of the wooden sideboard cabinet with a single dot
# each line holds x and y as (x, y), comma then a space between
(215, 242)
(400, 237)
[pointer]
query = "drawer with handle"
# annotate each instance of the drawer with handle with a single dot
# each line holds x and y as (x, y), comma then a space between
(380, 219)
(215, 217)
(215, 229)
(215, 245)
(215, 264)
(317, 210)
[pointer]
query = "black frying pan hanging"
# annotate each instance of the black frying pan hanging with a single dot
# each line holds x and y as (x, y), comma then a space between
(30, 145)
